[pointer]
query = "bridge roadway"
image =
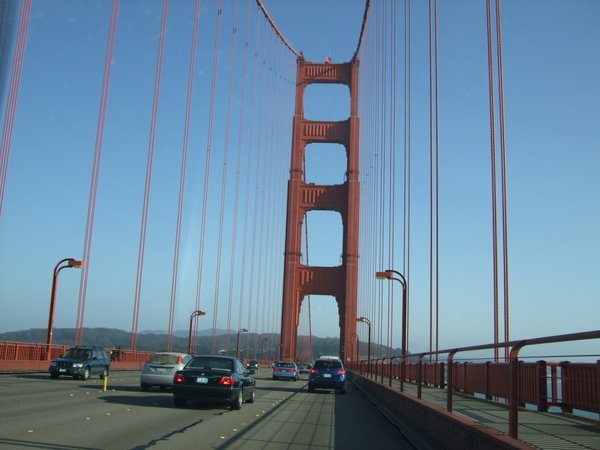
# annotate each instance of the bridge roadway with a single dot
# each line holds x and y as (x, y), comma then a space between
(41, 413)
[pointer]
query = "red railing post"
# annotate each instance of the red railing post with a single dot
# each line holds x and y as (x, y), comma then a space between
(450, 388)
(419, 376)
(513, 391)
(598, 385)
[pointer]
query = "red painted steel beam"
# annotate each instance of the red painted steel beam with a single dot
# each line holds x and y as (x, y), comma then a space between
(300, 280)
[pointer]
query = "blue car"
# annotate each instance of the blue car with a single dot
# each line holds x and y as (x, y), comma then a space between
(327, 374)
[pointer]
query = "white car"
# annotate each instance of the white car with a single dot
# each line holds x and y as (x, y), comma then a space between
(161, 368)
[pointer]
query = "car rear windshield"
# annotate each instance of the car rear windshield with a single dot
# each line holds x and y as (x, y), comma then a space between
(288, 365)
(211, 364)
(328, 365)
(162, 358)
(78, 353)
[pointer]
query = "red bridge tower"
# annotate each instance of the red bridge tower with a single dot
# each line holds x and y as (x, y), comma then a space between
(300, 280)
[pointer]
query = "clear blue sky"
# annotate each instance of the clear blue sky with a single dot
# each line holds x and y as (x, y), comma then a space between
(551, 66)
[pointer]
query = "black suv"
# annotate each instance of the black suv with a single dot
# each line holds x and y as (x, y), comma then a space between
(81, 362)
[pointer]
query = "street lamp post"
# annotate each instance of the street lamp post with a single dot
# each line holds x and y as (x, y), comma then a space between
(389, 275)
(368, 322)
(62, 264)
(261, 347)
(194, 314)
(241, 330)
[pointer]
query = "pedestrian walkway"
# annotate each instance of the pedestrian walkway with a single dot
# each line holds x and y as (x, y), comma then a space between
(540, 429)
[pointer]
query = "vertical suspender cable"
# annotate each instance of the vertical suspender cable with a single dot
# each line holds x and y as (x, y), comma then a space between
(493, 174)
(503, 169)
(380, 86)
(259, 162)
(267, 171)
(211, 115)
(407, 152)
(430, 180)
(240, 152)
(437, 188)
(182, 177)
(393, 158)
(13, 96)
(234, 39)
(148, 183)
(89, 230)
(434, 178)
(259, 187)
(273, 190)
(249, 172)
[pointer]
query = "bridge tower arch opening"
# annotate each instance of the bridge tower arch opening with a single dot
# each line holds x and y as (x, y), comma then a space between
(318, 314)
(299, 279)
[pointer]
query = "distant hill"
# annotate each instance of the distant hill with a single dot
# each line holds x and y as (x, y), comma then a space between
(185, 333)
(157, 341)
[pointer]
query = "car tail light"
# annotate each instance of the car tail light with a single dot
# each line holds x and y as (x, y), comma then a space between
(341, 372)
(226, 381)
(313, 371)
(178, 378)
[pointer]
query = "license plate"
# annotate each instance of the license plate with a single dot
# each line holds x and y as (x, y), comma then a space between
(326, 375)
(62, 370)
(202, 380)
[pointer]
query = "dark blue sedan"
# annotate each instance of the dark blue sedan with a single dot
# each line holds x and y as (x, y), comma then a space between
(327, 374)
(214, 379)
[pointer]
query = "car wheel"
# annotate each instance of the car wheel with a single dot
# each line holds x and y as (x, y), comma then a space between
(295, 378)
(237, 402)
(252, 396)
(144, 387)
(274, 378)
(311, 389)
(54, 375)
(179, 401)
(104, 373)
(86, 374)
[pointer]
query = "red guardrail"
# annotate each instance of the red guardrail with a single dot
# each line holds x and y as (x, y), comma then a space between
(569, 386)
(26, 356)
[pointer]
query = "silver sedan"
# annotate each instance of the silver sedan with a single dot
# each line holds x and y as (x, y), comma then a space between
(161, 368)
(286, 369)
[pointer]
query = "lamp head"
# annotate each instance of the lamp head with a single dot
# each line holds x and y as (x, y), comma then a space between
(76, 264)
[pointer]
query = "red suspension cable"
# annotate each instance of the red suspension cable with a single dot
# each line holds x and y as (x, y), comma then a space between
(89, 230)
(182, 176)
(148, 181)
(493, 174)
(211, 116)
(240, 153)
(232, 59)
(13, 95)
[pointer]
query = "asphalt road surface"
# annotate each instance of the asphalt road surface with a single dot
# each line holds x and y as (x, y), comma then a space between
(40, 413)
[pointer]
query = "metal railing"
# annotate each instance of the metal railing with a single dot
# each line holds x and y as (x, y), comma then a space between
(32, 352)
(566, 385)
